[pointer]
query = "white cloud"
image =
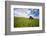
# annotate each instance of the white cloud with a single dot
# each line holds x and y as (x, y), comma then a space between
(21, 12)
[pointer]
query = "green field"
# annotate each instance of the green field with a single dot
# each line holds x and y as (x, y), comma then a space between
(25, 22)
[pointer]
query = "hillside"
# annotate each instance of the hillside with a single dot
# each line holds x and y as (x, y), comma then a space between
(25, 22)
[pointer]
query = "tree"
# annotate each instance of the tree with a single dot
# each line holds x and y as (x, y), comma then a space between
(30, 17)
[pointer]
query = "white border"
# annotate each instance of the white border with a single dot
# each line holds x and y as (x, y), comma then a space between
(25, 28)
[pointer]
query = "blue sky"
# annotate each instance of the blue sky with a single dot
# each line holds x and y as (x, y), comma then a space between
(26, 12)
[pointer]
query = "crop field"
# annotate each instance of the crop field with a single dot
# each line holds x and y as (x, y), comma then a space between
(25, 22)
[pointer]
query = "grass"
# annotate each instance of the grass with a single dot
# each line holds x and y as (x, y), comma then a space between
(25, 22)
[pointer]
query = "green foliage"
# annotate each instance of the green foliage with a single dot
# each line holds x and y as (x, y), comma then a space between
(25, 22)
